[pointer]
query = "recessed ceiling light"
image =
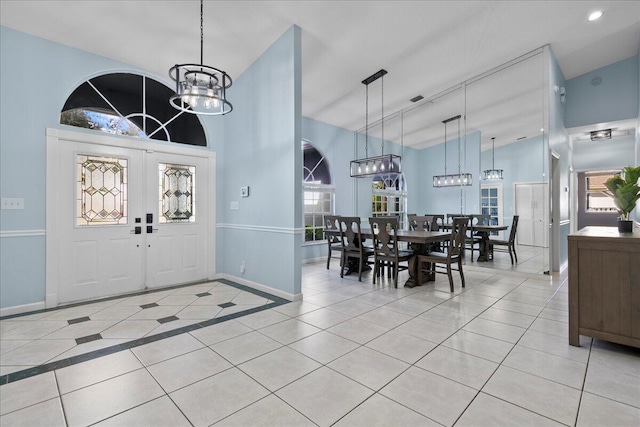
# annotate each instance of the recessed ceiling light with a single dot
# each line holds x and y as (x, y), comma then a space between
(595, 15)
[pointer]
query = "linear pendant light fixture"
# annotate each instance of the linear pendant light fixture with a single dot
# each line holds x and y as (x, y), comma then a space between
(493, 173)
(453, 180)
(385, 163)
(200, 89)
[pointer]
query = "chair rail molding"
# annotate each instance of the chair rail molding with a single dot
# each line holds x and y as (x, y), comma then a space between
(262, 228)
(22, 233)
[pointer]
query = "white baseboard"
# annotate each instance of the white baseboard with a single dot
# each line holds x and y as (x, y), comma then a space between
(254, 285)
(17, 309)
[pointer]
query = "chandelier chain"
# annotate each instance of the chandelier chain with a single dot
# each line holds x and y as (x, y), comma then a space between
(201, 32)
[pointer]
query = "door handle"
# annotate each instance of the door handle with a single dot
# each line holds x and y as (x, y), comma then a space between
(150, 229)
(136, 230)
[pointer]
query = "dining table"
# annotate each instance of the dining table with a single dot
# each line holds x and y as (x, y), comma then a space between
(484, 231)
(420, 240)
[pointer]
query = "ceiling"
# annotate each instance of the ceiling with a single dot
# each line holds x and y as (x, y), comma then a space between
(426, 46)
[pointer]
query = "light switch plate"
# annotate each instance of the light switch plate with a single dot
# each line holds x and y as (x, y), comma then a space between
(12, 203)
(244, 191)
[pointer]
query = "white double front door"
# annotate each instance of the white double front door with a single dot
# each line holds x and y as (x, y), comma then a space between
(128, 219)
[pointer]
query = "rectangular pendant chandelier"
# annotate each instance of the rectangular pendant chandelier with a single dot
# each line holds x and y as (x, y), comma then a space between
(388, 163)
(378, 165)
(452, 180)
(493, 173)
(455, 180)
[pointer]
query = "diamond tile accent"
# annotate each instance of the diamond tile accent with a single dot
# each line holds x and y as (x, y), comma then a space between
(203, 294)
(88, 338)
(78, 320)
(226, 304)
(151, 305)
(167, 319)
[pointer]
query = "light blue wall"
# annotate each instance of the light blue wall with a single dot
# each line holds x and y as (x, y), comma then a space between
(616, 98)
(522, 162)
(22, 146)
(259, 153)
(262, 150)
(446, 200)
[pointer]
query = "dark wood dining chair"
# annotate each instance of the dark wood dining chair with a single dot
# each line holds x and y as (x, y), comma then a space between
(474, 238)
(385, 247)
(334, 242)
(437, 222)
(506, 245)
(352, 244)
(453, 255)
(420, 223)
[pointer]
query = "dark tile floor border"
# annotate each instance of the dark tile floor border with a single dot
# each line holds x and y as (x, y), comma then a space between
(52, 366)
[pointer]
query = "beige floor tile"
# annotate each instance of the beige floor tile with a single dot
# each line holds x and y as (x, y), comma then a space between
(369, 367)
(102, 400)
(596, 411)
(278, 368)
(554, 368)
(267, 412)
(47, 413)
(161, 412)
(289, 331)
(401, 346)
(384, 317)
(245, 347)
(427, 330)
(20, 394)
(556, 345)
(461, 367)
(324, 396)
(430, 395)
(199, 312)
(188, 368)
(324, 318)
(164, 349)
(551, 327)
(358, 330)
(487, 410)
(174, 299)
(296, 308)
(117, 312)
(497, 330)
(155, 313)
(544, 397)
(217, 397)
(37, 352)
(381, 411)
(324, 346)
(351, 308)
(518, 307)
(220, 332)
(130, 329)
(613, 384)
(93, 371)
(34, 330)
(508, 317)
(616, 357)
(446, 317)
(409, 307)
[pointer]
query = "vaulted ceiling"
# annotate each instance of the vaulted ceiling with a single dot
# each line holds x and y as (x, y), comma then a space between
(426, 46)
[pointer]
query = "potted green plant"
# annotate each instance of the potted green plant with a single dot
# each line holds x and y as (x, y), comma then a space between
(624, 190)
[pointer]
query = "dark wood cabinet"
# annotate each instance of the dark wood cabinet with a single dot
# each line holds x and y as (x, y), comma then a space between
(604, 285)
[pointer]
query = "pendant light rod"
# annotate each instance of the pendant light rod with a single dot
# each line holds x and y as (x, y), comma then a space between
(201, 32)
(493, 152)
(200, 88)
(382, 108)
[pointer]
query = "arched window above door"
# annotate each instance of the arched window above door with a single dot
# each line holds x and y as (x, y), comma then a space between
(133, 105)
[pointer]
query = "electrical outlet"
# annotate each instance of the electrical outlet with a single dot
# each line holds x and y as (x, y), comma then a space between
(12, 203)
(242, 267)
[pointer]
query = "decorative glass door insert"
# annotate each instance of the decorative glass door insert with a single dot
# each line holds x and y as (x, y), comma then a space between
(177, 193)
(101, 190)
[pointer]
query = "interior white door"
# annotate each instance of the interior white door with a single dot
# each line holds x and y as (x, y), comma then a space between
(176, 223)
(129, 219)
(531, 206)
(97, 201)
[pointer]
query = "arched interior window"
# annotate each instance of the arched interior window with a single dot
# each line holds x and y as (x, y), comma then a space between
(133, 105)
(318, 192)
(389, 196)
